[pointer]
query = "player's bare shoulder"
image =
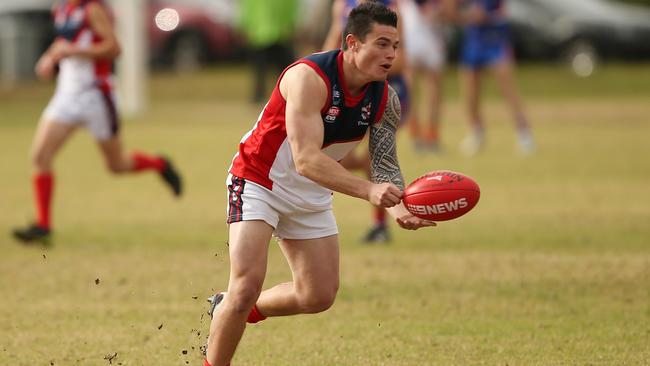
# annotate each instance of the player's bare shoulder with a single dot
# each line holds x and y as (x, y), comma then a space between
(303, 81)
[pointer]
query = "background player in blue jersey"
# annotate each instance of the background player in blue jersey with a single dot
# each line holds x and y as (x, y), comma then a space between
(378, 232)
(486, 44)
(84, 51)
(285, 170)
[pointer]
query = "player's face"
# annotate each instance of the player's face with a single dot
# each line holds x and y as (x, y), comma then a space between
(377, 53)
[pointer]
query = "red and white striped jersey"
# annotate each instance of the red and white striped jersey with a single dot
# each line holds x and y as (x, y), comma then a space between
(79, 73)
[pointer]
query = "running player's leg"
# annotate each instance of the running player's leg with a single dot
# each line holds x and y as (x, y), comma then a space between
(118, 162)
(102, 121)
(314, 266)
(248, 246)
(412, 74)
(504, 75)
(471, 86)
(48, 140)
(434, 92)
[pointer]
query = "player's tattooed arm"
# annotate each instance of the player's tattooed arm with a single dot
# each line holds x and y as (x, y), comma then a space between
(384, 167)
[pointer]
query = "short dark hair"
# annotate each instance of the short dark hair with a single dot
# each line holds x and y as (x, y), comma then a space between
(362, 18)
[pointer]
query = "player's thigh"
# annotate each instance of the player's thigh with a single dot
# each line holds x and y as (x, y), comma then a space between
(248, 245)
(314, 263)
(503, 71)
(470, 80)
(50, 136)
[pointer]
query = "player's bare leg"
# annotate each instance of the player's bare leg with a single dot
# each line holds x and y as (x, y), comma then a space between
(471, 86)
(50, 137)
(412, 73)
(504, 74)
(248, 246)
(434, 91)
(118, 162)
(314, 266)
(48, 140)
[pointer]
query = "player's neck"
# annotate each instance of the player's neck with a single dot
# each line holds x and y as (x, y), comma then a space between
(353, 77)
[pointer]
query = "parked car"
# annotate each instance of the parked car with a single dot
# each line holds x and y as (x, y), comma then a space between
(587, 29)
(186, 34)
(580, 32)
(204, 31)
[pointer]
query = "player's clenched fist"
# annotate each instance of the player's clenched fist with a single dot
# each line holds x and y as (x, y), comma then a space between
(385, 195)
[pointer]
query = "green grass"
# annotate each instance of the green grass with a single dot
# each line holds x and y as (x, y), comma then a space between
(551, 268)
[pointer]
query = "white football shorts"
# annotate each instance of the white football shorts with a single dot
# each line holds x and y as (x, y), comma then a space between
(91, 108)
(248, 200)
(424, 42)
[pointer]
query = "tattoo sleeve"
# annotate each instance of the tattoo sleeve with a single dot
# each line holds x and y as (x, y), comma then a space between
(384, 167)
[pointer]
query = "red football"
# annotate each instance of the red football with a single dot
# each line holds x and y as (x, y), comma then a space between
(441, 195)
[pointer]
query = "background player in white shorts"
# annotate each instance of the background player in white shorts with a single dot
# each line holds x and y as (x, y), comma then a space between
(286, 168)
(424, 45)
(84, 51)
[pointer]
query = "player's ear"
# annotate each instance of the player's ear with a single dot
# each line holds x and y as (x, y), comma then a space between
(352, 42)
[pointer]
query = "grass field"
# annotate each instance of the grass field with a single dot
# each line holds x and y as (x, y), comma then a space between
(551, 268)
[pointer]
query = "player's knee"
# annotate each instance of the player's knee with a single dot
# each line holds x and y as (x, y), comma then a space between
(318, 301)
(243, 299)
(41, 161)
(116, 167)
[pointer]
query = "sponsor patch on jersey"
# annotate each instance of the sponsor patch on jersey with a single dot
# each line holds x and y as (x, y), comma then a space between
(332, 113)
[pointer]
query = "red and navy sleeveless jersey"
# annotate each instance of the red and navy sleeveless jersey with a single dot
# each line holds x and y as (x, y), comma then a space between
(264, 155)
(71, 23)
(346, 117)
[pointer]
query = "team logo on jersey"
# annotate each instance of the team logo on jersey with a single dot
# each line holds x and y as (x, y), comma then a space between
(332, 113)
(365, 111)
(365, 114)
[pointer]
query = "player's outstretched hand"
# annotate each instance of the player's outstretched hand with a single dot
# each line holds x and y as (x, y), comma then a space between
(45, 68)
(385, 195)
(62, 49)
(409, 221)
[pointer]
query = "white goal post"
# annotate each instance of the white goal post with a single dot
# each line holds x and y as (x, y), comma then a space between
(132, 65)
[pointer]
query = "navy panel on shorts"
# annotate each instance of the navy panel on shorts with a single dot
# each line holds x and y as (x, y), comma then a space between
(235, 203)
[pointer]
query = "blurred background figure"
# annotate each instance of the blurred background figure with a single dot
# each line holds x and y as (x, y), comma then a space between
(83, 52)
(424, 46)
(378, 232)
(269, 29)
(313, 23)
(486, 44)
